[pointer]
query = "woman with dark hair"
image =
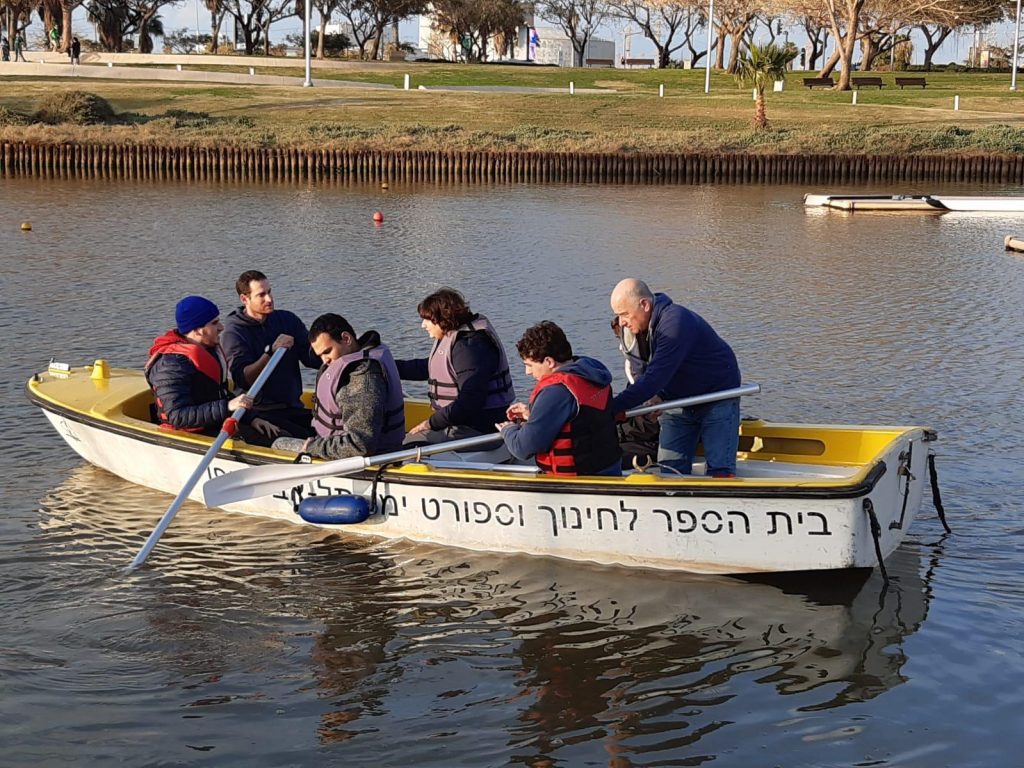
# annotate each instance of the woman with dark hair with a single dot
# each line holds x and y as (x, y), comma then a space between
(467, 375)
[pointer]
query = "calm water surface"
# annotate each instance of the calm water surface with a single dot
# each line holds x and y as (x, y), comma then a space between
(248, 642)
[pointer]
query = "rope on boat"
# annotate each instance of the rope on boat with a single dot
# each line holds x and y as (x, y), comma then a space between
(376, 478)
(876, 535)
(933, 474)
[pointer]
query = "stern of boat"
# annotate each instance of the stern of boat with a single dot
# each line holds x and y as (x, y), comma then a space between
(896, 497)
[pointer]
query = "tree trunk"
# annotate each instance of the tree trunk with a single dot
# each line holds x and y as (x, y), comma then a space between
(664, 55)
(378, 39)
(66, 9)
(720, 54)
(247, 40)
(869, 49)
(760, 113)
(932, 45)
(846, 58)
(734, 50)
(215, 21)
(578, 48)
(829, 66)
(320, 37)
(49, 19)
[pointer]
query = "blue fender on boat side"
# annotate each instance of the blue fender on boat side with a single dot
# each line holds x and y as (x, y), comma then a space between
(334, 510)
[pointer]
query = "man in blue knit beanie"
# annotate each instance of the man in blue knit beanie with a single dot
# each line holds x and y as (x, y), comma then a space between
(189, 376)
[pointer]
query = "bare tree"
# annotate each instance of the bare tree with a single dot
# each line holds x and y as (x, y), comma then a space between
(579, 19)
(938, 23)
(817, 37)
(216, 9)
(386, 12)
(17, 14)
(357, 14)
(471, 24)
(735, 19)
(254, 18)
(661, 21)
(325, 8)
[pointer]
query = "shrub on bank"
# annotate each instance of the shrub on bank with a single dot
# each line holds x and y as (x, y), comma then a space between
(10, 117)
(75, 107)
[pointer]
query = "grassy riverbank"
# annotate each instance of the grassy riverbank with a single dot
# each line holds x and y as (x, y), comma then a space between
(629, 117)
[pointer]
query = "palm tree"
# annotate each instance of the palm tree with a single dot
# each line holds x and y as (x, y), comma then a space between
(759, 67)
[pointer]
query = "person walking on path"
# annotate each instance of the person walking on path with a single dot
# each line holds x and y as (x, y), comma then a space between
(54, 38)
(75, 51)
(5, 49)
(19, 47)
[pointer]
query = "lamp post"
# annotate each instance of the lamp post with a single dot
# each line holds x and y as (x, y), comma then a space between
(1016, 43)
(196, 47)
(307, 14)
(626, 44)
(711, 27)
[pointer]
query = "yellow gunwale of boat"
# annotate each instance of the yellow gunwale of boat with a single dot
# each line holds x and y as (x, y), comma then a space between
(121, 401)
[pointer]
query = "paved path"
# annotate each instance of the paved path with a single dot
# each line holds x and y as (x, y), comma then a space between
(118, 66)
(104, 72)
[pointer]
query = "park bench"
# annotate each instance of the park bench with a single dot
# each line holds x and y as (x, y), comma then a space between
(918, 81)
(864, 82)
(818, 82)
(600, 62)
(638, 62)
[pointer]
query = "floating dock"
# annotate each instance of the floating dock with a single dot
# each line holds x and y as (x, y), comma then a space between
(926, 203)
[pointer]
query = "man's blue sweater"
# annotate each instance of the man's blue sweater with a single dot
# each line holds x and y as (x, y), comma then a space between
(244, 340)
(687, 358)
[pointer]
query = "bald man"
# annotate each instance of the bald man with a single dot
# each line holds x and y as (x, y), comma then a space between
(685, 357)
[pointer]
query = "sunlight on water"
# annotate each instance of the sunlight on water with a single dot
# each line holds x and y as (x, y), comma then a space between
(248, 641)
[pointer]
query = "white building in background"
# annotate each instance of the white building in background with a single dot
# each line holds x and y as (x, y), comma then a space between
(543, 45)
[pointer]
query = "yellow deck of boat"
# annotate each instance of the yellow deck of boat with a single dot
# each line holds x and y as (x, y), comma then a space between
(119, 399)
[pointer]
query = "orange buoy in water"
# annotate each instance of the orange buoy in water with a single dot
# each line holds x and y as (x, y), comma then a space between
(378, 217)
(26, 226)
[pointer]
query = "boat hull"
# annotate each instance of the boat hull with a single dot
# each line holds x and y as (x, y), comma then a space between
(926, 203)
(646, 521)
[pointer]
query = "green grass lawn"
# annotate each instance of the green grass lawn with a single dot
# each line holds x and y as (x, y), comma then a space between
(629, 117)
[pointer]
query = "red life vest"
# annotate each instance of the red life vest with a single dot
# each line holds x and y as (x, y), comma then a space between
(588, 442)
(213, 365)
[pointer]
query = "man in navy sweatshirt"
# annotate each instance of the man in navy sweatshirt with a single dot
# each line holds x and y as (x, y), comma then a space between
(252, 333)
(568, 426)
(687, 358)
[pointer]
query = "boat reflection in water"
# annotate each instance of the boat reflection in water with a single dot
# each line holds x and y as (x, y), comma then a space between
(549, 658)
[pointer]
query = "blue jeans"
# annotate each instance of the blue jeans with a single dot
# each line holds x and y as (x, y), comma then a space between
(716, 425)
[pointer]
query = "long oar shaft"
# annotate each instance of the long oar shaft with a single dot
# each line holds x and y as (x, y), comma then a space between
(254, 482)
(689, 402)
(172, 510)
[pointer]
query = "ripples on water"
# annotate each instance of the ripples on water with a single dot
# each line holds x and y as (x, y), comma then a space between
(250, 641)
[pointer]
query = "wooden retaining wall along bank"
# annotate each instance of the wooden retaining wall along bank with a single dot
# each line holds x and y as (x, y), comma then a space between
(273, 164)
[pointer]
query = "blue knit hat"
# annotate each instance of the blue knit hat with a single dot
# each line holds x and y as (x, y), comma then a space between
(194, 312)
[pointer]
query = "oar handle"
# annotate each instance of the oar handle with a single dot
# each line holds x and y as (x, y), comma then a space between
(172, 510)
(689, 402)
(257, 385)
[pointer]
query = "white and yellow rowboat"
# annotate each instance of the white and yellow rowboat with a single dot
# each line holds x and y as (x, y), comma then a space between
(806, 497)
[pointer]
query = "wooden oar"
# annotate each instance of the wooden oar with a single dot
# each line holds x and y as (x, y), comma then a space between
(194, 477)
(254, 482)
